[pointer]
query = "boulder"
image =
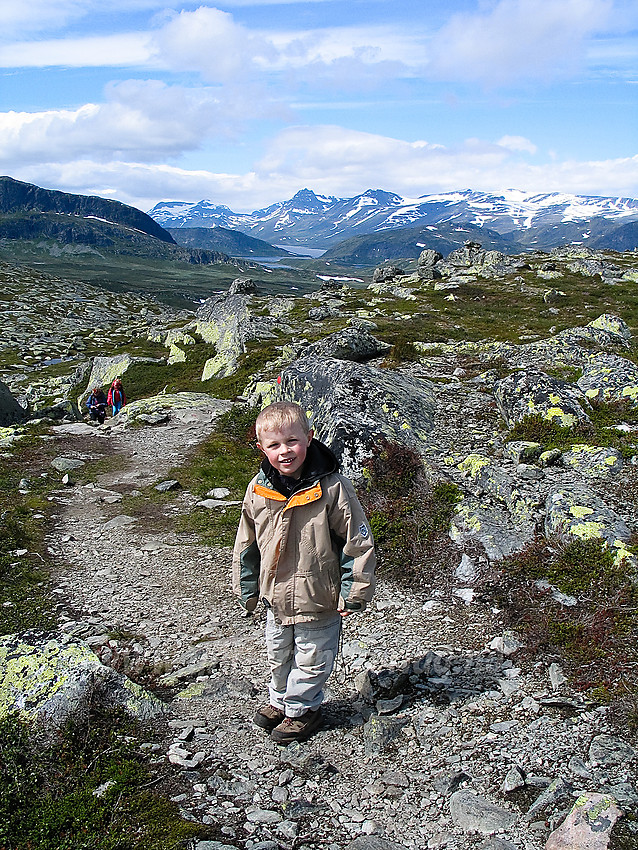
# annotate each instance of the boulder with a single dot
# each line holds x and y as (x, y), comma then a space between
(353, 406)
(11, 412)
(531, 391)
(609, 378)
(579, 513)
(242, 286)
(205, 406)
(349, 344)
(428, 257)
(106, 369)
(386, 274)
(51, 677)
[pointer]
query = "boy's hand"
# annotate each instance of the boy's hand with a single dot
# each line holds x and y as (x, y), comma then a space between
(345, 613)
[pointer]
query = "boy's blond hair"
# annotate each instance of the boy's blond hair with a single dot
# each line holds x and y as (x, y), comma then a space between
(281, 413)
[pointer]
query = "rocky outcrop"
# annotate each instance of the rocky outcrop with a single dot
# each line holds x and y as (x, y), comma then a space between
(52, 677)
(104, 370)
(353, 406)
(229, 322)
(533, 392)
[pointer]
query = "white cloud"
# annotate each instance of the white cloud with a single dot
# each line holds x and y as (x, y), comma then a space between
(517, 40)
(210, 42)
(130, 49)
(517, 143)
(146, 120)
(333, 160)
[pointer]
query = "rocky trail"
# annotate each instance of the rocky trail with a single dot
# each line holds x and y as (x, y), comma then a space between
(435, 734)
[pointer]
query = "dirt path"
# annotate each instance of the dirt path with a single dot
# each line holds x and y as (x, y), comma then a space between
(157, 600)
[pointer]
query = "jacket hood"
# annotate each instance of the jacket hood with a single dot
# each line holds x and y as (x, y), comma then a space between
(320, 461)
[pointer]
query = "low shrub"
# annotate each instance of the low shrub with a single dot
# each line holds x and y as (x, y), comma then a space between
(409, 515)
(595, 639)
(536, 428)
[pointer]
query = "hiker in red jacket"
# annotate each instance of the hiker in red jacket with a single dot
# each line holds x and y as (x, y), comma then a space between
(116, 397)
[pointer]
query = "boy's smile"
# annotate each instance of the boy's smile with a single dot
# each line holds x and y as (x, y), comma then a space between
(286, 448)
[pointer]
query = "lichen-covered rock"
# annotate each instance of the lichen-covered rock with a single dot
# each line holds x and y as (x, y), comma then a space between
(176, 354)
(349, 344)
(579, 513)
(523, 451)
(607, 377)
(9, 436)
(353, 406)
(588, 825)
(491, 526)
(481, 477)
(52, 676)
(593, 461)
(428, 257)
(105, 369)
(11, 412)
(172, 403)
(229, 322)
(531, 392)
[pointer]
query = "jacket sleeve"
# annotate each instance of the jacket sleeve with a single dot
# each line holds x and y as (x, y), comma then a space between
(246, 557)
(358, 559)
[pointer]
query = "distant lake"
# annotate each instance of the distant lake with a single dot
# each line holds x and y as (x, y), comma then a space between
(303, 252)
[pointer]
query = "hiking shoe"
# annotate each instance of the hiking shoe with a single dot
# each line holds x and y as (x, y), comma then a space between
(267, 717)
(297, 728)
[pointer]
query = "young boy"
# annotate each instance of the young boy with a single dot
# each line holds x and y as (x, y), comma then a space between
(305, 549)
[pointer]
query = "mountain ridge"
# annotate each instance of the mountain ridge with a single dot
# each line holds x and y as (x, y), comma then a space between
(323, 221)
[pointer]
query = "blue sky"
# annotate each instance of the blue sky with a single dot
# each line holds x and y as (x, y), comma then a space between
(245, 102)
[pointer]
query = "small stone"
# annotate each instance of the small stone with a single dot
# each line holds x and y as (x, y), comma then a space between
(165, 486)
(472, 812)
(556, 676)
(607, 750)
(514, 779)
(264, 816)
(389, 706)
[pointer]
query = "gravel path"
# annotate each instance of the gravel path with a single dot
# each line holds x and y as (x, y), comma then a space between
(449, 716)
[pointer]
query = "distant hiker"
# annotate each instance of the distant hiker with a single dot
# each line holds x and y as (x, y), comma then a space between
(117, 396)
(96, 404)
(303, 548)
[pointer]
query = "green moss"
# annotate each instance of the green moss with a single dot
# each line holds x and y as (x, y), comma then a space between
(87, 788)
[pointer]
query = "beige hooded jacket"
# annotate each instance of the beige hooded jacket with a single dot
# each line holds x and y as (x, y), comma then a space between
(305, 556)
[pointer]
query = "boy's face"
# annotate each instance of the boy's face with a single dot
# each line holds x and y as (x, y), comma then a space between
(286, 448)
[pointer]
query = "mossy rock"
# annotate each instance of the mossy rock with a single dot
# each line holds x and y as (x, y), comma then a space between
(51, 676)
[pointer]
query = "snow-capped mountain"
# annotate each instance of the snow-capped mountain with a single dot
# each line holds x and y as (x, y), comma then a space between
(322, 221)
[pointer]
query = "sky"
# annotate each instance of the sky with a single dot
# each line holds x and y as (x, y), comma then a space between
(245, 102)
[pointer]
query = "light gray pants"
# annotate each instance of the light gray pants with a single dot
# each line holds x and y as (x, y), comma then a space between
(301, 658)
